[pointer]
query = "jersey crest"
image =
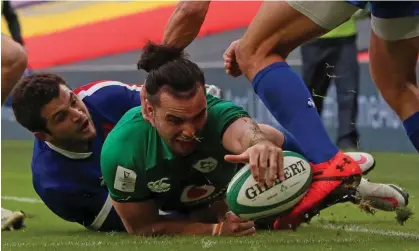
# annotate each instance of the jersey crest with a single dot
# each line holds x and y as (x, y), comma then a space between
(206, 165)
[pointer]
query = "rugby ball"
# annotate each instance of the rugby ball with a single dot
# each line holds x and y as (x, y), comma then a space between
(250, 201)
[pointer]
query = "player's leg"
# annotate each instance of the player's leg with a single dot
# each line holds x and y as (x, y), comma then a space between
(11, 220)
(276, 30)
(13, 64)
(394, 49)
(347, 89)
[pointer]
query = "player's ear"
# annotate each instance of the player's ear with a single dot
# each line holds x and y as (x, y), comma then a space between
(148, 112)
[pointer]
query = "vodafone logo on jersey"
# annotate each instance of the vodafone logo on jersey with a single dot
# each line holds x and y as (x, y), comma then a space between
(196, 193)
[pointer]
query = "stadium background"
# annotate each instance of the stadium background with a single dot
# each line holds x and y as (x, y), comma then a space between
(87, 41)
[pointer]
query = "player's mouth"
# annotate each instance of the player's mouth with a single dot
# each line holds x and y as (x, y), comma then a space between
(185, 140)
(85, 126)
(186, 145)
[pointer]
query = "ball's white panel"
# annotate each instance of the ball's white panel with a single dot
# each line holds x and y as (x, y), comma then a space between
(273, 211)
(297, 174)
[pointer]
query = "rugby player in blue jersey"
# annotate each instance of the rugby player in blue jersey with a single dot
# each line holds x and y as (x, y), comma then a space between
(281, 26)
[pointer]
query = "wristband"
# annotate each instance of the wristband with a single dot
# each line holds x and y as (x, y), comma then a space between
(216, 229)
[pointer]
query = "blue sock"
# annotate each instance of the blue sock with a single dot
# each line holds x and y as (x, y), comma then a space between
(286, 96)
(411, 125)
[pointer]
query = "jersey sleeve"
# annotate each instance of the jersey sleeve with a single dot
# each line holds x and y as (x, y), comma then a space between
(123, 161)
(221, 114)
(112, 97)
(73, 206)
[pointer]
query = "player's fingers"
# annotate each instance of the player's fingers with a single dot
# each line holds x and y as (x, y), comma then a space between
(227, 66)
(241, 158)
(226, 55)
(281, 166)
(247, 232)
(254, 165)
(229, 52)
(228, 60)
(263, 165)
(246, 225)
(231, 217)
(273, 167)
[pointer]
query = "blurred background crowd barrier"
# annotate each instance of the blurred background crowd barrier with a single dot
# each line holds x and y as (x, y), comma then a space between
(88, 41)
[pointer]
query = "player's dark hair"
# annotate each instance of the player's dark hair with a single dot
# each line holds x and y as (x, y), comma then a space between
(30, 95)
(169, 66)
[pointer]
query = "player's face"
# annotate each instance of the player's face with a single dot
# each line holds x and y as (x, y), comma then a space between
(180, 121)
(68, 119)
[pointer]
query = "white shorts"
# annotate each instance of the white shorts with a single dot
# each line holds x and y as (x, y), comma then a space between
(330, 14)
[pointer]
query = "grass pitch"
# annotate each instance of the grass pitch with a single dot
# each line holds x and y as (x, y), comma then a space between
(343, 227)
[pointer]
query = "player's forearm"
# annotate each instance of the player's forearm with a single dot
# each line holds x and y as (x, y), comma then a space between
(274, 135)
(242, 134)
(171, 227)
(253, 135)
(216, 212)
(185, 23)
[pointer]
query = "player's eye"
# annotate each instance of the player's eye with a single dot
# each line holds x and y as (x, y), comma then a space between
(200, 116)
(175, 120)
(60, 117)
(73, 102)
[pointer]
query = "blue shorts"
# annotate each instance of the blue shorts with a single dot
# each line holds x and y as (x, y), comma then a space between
(389, 9)
(391, 20)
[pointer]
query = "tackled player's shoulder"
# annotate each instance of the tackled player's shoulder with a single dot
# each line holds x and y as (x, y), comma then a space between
(132, 123)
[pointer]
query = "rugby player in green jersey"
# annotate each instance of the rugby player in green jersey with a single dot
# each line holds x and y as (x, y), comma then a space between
(167, 163)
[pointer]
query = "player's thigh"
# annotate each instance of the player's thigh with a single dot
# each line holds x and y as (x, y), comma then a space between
(394, 44)
(279, 27)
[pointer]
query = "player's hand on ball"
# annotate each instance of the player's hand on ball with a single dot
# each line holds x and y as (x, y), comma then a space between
(262, 157)
(230, 63)
(236, 226)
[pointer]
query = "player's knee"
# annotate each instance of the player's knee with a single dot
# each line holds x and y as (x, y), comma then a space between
(398, 94)
(13, 55)
(21, 59)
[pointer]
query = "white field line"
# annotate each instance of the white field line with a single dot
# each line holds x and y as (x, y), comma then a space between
(21, 199)
(346, 228)
(359, 229)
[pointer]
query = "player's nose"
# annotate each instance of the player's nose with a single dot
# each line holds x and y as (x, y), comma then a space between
(76, 114)
(188, 130)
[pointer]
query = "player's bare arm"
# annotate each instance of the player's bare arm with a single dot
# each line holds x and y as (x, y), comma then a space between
(245, 138)
(13, 64)
(185, 23)
(273, 134)
(143, 219)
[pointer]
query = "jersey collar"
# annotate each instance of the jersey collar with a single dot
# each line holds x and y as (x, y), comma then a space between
(69, 154)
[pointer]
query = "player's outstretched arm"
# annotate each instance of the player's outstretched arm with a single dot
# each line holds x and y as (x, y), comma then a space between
(13, 64)
(273, 134)
(185, 23)
(245, 139)
(143, 219)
